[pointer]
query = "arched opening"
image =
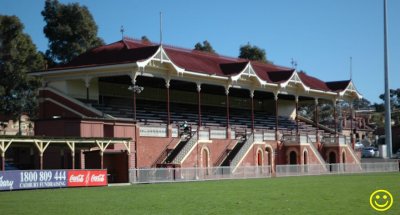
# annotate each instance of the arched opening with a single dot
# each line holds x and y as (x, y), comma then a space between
(293, 157)
(332, 161)
(270, 156)
(259, 158)
(332, 157)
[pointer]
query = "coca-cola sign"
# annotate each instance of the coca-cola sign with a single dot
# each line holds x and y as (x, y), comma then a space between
(87, 178)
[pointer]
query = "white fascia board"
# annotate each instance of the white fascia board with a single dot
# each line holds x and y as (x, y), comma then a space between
(91, 68)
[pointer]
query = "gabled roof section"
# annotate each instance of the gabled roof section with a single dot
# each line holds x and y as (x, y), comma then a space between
(338, 86)
(344, 88)
(295, 80)
(249, 72)
(312, 82)
(233, 68)
(115, 53)
(196, 61)
(272, 73)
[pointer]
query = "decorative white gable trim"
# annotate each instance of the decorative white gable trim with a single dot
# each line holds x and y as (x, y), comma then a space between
(295, 79)
(162, 57)
(350, 89)
(248, 72)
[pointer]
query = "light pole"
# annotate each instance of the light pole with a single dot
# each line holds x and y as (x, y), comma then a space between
(388, 120)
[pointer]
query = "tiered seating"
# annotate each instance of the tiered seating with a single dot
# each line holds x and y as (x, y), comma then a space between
(155, 112)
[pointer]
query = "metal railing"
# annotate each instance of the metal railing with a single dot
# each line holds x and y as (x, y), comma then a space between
(186, 149)
(340, 168)
(159, 175)
(242, 152)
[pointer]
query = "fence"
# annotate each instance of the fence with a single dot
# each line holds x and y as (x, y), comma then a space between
(157, 175)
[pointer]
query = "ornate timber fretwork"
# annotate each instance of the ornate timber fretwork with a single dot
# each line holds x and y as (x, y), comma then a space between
(350, 91)
(294, 83)
(249, 75)
(158, 60)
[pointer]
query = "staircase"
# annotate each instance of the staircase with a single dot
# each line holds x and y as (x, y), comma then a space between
(182, 150)
(243, 149)
(232, 153)
(322, 127)
(316, 152)
(353, 154)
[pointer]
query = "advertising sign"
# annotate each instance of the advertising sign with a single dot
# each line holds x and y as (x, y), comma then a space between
(87, 178)
(32, 179)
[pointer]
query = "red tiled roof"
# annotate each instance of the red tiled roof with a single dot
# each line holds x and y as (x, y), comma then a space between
(129, 51)
(338, 85)
(313, 83)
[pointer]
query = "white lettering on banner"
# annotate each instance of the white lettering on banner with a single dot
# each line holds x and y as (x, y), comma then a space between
(6, 183)
(97, 178)
(76, 178)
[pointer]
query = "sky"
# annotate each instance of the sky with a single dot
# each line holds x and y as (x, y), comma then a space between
(320, 35)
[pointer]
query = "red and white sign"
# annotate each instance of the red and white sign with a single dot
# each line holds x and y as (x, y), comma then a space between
(87, 178)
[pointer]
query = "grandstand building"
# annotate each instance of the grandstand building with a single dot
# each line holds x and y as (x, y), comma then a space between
(187, 108)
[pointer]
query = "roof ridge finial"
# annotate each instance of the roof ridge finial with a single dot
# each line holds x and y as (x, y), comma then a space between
(351, 68)
(122, 30)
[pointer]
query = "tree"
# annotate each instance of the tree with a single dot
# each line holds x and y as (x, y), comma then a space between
(252, 53)
(71, 30)
(394, 98)
(145, 39)
(18, 56)
(205, 47)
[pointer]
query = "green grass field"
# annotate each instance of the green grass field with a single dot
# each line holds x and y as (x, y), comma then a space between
(344, 194)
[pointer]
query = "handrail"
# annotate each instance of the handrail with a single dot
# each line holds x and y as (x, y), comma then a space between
(73, 100)
(186, 149)
(225, 153)
(164, 153)
(320, 126)
(316, 152)
(242, 152)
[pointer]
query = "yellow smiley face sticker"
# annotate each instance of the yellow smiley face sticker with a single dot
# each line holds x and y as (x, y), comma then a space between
(381, 200)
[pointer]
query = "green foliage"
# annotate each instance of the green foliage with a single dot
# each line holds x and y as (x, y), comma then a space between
(334, 194)
(205, 47)
(71, 30)
(252, 53)
(18, 56)
(145, 39)
(394, 98)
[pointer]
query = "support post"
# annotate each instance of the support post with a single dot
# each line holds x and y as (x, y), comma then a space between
(227, 108)
(71, 146)
(199, 104)
(41, 160)
(3, 161)
(228, 126)
(167, 85)
(316, 121)
(252, 110)
(351, 125)
(101, 159)
(198, 127)
(87, 85)
(335, 116)
(297, 114)
(276, 116)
